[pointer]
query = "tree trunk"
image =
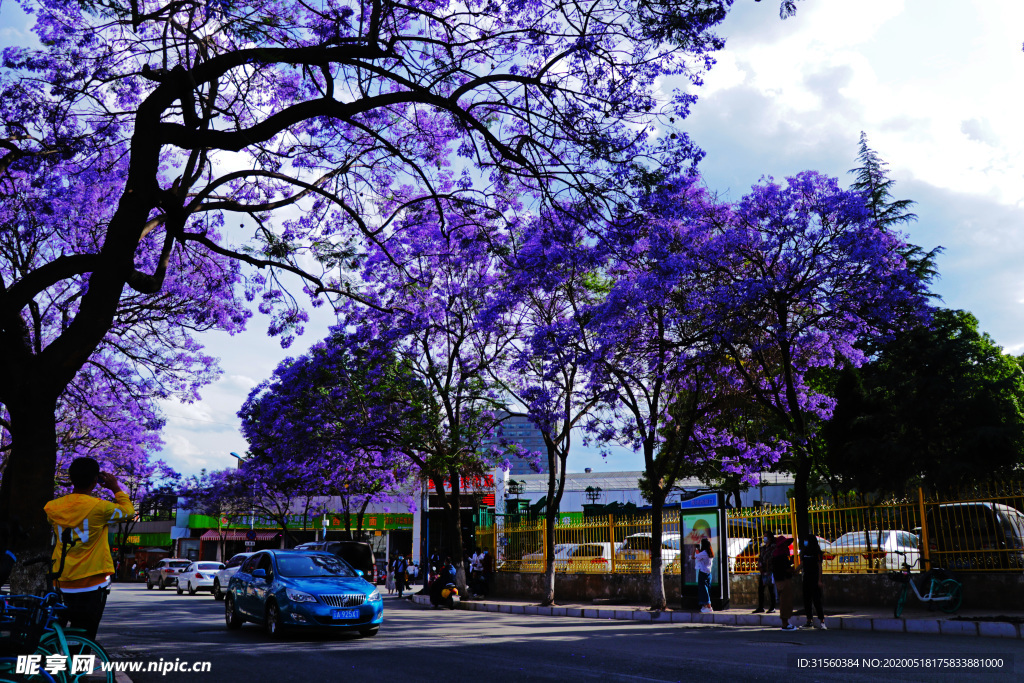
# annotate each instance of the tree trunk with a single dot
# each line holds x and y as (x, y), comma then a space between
(658, 601)
(453, 519)
(28, 484)
(801, 495)
(550, 515)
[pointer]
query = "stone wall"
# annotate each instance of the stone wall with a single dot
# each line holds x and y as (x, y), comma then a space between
(993, 591)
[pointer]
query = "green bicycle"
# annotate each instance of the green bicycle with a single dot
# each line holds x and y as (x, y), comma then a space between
(939, 586)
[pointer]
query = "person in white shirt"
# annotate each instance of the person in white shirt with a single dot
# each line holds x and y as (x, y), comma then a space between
(702, 558)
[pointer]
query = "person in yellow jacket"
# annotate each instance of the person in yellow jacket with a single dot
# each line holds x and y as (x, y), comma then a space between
(85, 580)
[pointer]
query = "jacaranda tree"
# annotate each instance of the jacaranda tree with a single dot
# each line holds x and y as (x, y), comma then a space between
(289, 136)
(802, 274)
(548, 282)
(657, 363)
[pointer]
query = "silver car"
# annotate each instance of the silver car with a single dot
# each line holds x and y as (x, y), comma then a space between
(220, 580)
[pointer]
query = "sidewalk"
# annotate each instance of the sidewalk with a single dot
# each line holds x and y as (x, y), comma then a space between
(1006, 624)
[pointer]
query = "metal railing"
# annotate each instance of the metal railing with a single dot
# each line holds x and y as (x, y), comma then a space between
(977, 530)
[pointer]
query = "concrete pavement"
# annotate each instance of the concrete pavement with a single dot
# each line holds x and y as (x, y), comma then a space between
(966, 622)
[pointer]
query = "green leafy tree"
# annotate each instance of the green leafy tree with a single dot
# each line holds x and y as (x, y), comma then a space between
(940, 406)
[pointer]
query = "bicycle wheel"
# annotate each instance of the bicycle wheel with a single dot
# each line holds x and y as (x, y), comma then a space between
(901, 601)
(73, 646)
(8, 665)
(955, 590)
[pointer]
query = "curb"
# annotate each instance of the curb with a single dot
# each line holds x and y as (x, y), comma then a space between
(993, 629)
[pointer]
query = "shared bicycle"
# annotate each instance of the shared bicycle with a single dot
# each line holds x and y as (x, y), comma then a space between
(935, 586)
(29, 625)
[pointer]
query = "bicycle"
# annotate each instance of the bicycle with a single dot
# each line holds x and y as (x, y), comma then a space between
(942, 588)
(35, 618)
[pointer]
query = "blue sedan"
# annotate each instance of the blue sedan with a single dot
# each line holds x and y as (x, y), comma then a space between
(282, 589)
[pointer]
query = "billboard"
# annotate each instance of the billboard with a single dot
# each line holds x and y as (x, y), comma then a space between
(695, 526)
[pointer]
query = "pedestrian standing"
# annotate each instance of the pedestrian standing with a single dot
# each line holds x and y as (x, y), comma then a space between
(401, 567)
(86, 576)
(782, 571)
(810, 564)
(488, 564)
(765, 579)
(389, 581)
(703, 558)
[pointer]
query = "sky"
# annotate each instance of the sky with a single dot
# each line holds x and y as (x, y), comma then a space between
(938, 87)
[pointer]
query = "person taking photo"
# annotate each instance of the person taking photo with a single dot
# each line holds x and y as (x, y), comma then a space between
(85, 580)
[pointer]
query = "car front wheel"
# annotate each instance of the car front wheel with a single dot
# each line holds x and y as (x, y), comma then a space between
(272, 623)
(217, 595)
(149, 584)
(231, 617)
(180, 591)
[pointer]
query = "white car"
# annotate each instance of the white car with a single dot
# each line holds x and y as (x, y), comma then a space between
(635, 551)
(532, 561)
(857, 552)
(576, 558)
(198, 576)
(220, 581)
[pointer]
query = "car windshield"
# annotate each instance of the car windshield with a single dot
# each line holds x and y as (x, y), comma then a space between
(313, 565)
(209, 566)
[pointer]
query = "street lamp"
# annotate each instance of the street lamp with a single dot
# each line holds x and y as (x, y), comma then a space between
(592, 494)
(252, 508)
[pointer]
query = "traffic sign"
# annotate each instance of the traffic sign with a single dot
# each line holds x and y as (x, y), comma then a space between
(250, 535)
(250, 544)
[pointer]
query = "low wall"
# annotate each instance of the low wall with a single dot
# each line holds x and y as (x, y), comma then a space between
(993, 591)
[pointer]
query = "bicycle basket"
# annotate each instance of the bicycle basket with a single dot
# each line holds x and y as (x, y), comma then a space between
(899, 577)
(23, 619)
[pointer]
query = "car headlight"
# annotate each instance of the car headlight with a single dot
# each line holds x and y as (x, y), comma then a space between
(374, 596)
(298, 596)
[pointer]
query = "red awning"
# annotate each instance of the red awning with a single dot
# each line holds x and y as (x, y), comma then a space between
(214, 535)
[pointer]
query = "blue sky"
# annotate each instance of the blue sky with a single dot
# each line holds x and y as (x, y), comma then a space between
(937, 86)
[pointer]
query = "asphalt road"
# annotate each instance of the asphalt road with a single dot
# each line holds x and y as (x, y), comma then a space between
(419, 644)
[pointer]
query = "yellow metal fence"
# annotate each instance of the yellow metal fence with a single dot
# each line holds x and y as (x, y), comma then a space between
(978, 530)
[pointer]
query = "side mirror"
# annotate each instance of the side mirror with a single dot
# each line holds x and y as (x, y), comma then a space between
(359, 572)
(259, 574)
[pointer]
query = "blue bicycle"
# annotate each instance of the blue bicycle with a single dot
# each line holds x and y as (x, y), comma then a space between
(29, 626)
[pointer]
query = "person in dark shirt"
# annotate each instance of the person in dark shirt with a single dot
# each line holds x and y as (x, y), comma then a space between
(782, 572)
(810, 564)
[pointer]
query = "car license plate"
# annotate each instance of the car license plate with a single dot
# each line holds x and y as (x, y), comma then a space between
(849, 559)
(344, 614)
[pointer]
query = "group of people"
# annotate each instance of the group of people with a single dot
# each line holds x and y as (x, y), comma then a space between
(776, 575)
(402, 573)
(480, 569)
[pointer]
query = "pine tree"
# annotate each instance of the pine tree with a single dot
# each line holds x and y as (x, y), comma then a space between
(874, 184)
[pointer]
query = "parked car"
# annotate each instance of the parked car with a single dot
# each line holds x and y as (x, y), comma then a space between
(285, 589)
(535, 560)
(198, 576)
(869, 551)
(220, 579)
(579, 558)
(589, 558)
(634, 552)
(359, 554)
(975, 536)
(165, 573)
